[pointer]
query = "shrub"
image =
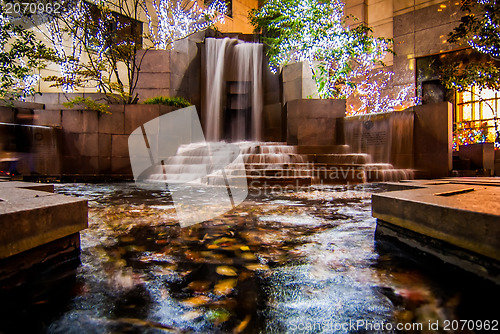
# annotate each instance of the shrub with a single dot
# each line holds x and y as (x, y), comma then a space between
(169, 101)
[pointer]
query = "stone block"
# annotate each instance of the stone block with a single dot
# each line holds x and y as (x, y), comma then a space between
(481, 156)
(121, 165)
(433, 138)
(306, 114)
(316, 131)
(404, 45)
(48, 117)
(104, 145)
(433, 40)
(71, 121)
(401, 6)
(445, 211)
(154, 61)
(30, 218)
(113, 123)
(88, 144)
(119, 146)
(403, 24)
(138, 114)
(6, 115)
(404, 70)
(70, 144)
(154, 80)
(431, 16)
(105, 165)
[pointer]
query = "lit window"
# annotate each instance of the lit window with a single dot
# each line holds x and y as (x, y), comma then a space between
(476, 114)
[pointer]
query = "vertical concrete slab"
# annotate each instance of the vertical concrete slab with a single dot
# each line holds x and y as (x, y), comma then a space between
(433, 139)
(313, 121)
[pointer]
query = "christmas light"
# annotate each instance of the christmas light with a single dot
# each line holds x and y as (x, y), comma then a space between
(178, 19)
(314, 31)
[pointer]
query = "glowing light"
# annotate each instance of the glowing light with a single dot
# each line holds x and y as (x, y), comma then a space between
(368, 95)
(178, 19)
(315, 31)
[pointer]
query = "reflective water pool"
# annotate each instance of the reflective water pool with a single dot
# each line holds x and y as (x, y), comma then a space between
(291, 262)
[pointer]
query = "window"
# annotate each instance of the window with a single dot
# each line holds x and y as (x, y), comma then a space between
(118, 29)
(476, 115)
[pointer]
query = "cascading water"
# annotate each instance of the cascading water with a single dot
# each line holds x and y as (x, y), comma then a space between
(232, 107)
(214, 85)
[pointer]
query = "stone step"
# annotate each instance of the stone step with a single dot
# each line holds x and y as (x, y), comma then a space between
(263, 181)
(331, 149)
(351, 158)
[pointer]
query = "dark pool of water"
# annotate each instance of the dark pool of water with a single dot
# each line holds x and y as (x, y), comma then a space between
(294, 262)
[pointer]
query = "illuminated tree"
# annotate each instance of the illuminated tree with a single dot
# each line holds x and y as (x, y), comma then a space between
(21, 55)
(316, 31)
(372, 95)
(93, 41)
(479, 28)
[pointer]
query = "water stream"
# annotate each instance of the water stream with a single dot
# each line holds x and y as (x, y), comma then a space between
(289, 262)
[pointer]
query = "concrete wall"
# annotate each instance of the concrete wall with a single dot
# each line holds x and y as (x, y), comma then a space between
(420, 28)
(433, 139)
(387, 137)
(92, 144)
(313, 121)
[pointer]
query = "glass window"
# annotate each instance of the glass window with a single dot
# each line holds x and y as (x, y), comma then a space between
(476, 113)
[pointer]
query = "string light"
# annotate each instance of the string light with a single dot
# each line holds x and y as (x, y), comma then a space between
(370, 98)
(178, 19)
(314, 31)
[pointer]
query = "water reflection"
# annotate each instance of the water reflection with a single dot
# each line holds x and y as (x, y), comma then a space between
(297, 262)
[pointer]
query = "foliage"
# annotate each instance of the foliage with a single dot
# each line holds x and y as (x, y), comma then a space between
(316, 31)
(461, 77)
(369, 96)
(89, 104)
(106, 40)
(20, 56)
(178, 19)
(169, 101)
(480, 26)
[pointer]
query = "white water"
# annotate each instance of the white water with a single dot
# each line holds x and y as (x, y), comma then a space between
(241, 63)
(214, 87)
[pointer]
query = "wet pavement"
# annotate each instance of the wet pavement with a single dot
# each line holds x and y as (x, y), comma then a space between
(292, 262)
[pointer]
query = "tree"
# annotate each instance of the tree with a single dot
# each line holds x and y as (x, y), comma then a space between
(21, 55)
(99, 44)
(479, 28)
(316, 31)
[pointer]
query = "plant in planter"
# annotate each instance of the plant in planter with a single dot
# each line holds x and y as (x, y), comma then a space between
(169, 101)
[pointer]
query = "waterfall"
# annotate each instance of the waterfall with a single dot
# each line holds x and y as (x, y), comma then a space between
(214, 87)
(233, 90)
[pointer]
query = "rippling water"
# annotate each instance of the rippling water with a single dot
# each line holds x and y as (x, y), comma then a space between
(292, 262)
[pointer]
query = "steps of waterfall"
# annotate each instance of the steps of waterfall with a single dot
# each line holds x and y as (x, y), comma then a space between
(279, 164)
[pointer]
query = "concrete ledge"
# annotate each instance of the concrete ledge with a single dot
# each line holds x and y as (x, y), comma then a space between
(31, 218)
(464, 213)
(428, 249)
